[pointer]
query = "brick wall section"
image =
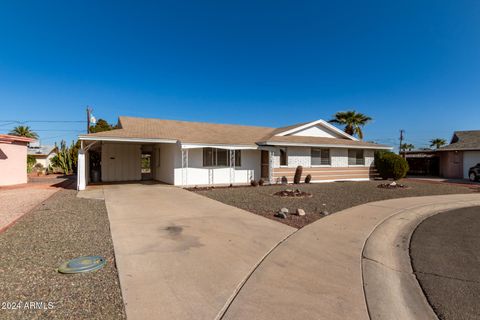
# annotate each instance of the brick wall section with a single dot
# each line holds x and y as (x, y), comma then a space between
(338, 170)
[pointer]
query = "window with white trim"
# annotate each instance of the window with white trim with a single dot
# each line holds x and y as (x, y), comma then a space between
(214, 157)
(320, 157)
(356, 157)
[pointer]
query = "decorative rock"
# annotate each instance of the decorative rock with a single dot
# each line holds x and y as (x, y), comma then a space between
(288, 190)
(325, 213)
(393, 184)
(300, 212)
(284, 210)
(281, 215)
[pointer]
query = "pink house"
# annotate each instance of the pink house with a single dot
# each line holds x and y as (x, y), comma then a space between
(13, 159)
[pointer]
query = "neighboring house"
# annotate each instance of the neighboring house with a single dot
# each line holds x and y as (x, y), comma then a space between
(462, 153)
(424, 162)
(193, 153)
(42, 154)
(13, 159)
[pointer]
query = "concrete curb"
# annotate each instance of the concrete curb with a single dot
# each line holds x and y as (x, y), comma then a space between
(390, 286)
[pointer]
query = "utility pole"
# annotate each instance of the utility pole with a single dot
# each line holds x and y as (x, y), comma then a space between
(401, 142)
(89, 110)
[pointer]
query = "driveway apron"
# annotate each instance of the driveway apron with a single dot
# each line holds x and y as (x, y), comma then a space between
(181, 255)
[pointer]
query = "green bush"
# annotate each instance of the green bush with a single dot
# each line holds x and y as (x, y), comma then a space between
(298, 175)
(390, 165)
(30, 162)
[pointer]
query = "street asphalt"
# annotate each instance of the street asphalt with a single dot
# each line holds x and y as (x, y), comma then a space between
(445, 252)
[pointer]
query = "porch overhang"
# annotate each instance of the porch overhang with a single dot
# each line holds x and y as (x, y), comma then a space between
(320, 145)
(218, 146)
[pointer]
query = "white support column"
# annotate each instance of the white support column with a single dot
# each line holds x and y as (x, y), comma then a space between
(271, 155)
(184, 167)
(81, 172)
(232, 166)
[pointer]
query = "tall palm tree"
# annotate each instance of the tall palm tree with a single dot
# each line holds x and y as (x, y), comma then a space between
(437, 142)
(24, 131)
(352, 120)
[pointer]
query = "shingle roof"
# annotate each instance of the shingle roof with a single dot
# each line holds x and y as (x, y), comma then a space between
(187, 132)
(463, 140)
(8, 138)
(41, 150)
(214, 134)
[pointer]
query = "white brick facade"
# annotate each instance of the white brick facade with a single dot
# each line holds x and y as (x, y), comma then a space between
(301, 156)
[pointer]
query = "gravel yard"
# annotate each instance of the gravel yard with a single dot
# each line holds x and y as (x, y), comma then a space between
(331, 197)
(61, 228)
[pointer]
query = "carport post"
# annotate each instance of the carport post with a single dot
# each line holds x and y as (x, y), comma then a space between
(81, 176)
(232, 165)
(184, 167)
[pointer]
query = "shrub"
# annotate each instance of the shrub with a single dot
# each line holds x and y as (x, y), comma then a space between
(253, 183)
(30, 162)
(390, 165)
(308, 178)
(261, 182)
(284, 180)
(298, 175)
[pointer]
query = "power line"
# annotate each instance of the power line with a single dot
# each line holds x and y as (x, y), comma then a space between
(45, 121)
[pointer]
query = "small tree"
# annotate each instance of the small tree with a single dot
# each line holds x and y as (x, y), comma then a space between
(390, 165)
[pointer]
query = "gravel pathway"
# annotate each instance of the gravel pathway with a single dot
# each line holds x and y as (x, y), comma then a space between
(16, 202)
(61, 228)
(332, 197)
(445, 251)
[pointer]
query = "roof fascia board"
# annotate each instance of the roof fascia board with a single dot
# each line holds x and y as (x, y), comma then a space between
(319, 121)
(218, 146)
(117, 139)
(287, 144)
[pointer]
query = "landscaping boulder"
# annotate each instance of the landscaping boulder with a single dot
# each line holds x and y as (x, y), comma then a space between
(300, 212)
(281, 215)
(325, 213)
(284, 210)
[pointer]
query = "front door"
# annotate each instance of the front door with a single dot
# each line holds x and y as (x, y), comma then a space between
(265, 165)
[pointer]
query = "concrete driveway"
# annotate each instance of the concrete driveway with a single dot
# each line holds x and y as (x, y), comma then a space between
(181, 255)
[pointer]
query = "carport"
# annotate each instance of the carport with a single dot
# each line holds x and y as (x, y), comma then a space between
(107, 159)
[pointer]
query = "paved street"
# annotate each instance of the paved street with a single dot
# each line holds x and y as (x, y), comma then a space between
(445, 251)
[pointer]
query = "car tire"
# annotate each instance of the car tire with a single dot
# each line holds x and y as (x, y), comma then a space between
(472, 176)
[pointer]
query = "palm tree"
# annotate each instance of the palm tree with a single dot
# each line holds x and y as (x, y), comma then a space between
(407, 146)
(24, 131)
(437, 142)
(352, 120)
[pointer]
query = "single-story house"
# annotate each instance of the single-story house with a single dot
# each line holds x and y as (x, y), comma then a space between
(185, 153)
(13, 159)
(42, 153)
(461, 154)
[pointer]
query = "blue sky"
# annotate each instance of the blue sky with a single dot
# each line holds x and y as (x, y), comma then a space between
(412, 65)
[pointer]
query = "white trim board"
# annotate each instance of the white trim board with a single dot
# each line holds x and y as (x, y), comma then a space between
(313, 123)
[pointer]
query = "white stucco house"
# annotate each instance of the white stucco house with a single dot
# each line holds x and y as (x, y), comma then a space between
(43, 154)
(185, 153)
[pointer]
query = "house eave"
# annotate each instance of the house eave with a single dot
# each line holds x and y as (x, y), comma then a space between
(121, 139)
(219, 146)
(322, 145)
